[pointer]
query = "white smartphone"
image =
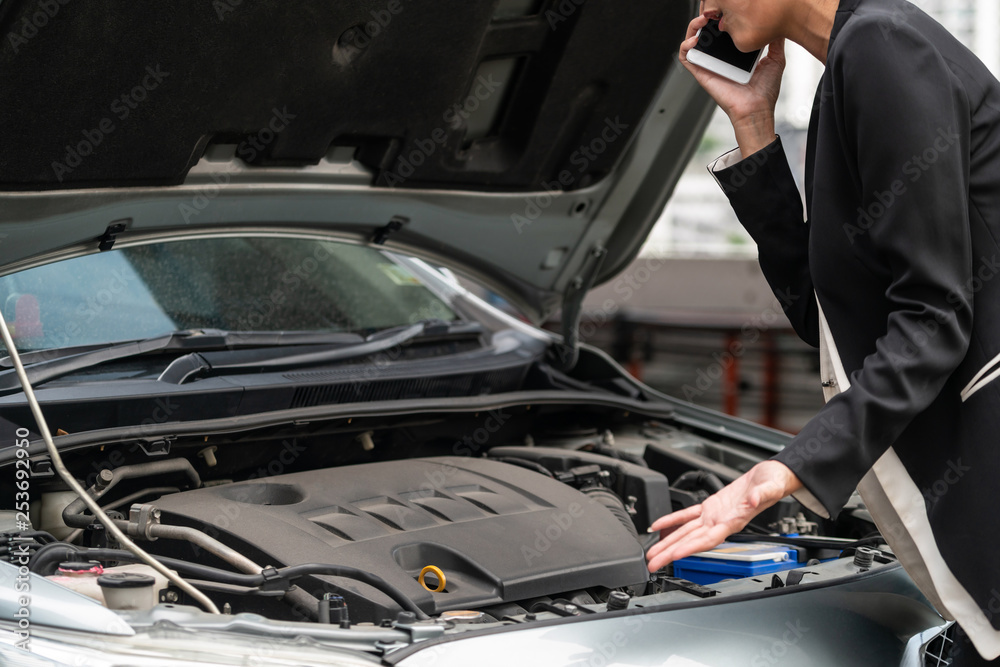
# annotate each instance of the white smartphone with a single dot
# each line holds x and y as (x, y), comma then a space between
(716, 52)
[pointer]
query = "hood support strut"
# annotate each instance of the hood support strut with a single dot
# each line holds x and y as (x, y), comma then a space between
(564, 355)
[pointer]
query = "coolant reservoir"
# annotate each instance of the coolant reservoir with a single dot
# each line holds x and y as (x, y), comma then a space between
(83, 578)
(128, 590)
(47, 514)
(80, 577)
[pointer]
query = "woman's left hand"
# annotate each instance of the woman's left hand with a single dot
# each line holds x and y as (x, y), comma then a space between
(705, 526)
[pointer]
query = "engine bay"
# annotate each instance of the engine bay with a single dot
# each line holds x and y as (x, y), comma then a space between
(494, 531)
(505, 516)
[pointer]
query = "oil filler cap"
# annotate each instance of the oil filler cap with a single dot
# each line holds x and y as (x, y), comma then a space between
(437, 572)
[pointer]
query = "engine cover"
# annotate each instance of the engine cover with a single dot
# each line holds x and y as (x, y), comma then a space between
(499, 532)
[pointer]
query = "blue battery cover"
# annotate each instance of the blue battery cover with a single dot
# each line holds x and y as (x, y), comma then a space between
(731, 560)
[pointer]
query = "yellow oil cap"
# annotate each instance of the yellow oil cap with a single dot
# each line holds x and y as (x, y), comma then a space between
(436, 571)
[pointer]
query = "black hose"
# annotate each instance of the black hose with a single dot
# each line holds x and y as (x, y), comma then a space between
(524, 463)
(158, 491)
(375, 581)
(815, 542)
(39, 536)
(47, 558)
(613, 452)
(608, 499)
(548, 606)
(43, 564)
(70, 552)
(696, 479)
(19, 545)
(71, 512)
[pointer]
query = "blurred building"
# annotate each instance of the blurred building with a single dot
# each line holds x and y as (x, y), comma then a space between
(675, 332)
(708, 331)
(699, 222)
(975, 22)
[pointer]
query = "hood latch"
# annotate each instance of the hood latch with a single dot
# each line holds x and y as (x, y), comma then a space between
(106, 241)
(383, 233)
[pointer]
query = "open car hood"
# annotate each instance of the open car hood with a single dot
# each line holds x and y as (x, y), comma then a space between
(529, 144)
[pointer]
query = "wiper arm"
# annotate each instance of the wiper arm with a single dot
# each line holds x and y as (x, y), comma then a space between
(47, 368)
(184, 368)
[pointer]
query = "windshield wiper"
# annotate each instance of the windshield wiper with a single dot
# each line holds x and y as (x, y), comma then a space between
(190, 365)
(44, 367)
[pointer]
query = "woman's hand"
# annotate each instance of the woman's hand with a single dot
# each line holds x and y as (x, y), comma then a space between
(750, 107)
(705, 526)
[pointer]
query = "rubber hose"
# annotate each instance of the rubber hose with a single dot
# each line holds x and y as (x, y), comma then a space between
(615, 505)
(222, 576)
(699, 478)
(525, 463)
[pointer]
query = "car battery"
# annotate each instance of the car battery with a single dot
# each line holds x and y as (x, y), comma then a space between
(732, 560)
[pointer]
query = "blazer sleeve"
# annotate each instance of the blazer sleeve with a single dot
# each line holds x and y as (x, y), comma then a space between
(897, 99)
(762, 192)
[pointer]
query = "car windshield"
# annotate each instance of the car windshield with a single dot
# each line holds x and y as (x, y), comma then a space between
(232, 284)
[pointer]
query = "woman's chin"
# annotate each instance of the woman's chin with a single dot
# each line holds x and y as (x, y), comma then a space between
(744, 43)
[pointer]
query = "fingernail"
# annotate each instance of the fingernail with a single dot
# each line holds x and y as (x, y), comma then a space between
(650, 530)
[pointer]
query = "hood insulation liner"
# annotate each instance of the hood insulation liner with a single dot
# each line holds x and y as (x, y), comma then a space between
(504, 95)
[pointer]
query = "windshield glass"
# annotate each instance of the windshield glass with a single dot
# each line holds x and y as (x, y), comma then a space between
(233, 284)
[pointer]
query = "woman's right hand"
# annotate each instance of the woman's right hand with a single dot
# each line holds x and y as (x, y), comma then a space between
(750, 107)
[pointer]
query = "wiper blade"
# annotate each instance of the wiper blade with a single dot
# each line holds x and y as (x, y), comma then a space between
(45, 367)
(184, 368)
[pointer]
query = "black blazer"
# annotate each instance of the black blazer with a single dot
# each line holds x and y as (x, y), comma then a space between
(900, 253)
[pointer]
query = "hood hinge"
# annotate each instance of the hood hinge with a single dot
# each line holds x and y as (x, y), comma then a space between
(565, 354)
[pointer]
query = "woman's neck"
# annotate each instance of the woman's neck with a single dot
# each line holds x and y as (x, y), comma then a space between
(810, 25)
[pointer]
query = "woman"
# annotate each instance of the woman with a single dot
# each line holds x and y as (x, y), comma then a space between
(894, 276)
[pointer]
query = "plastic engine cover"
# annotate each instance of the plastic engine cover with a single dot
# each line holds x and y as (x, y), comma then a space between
(499, 532)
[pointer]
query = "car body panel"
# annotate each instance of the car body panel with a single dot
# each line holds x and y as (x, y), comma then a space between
(878, 620)
(528, 242)
(192, 120)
